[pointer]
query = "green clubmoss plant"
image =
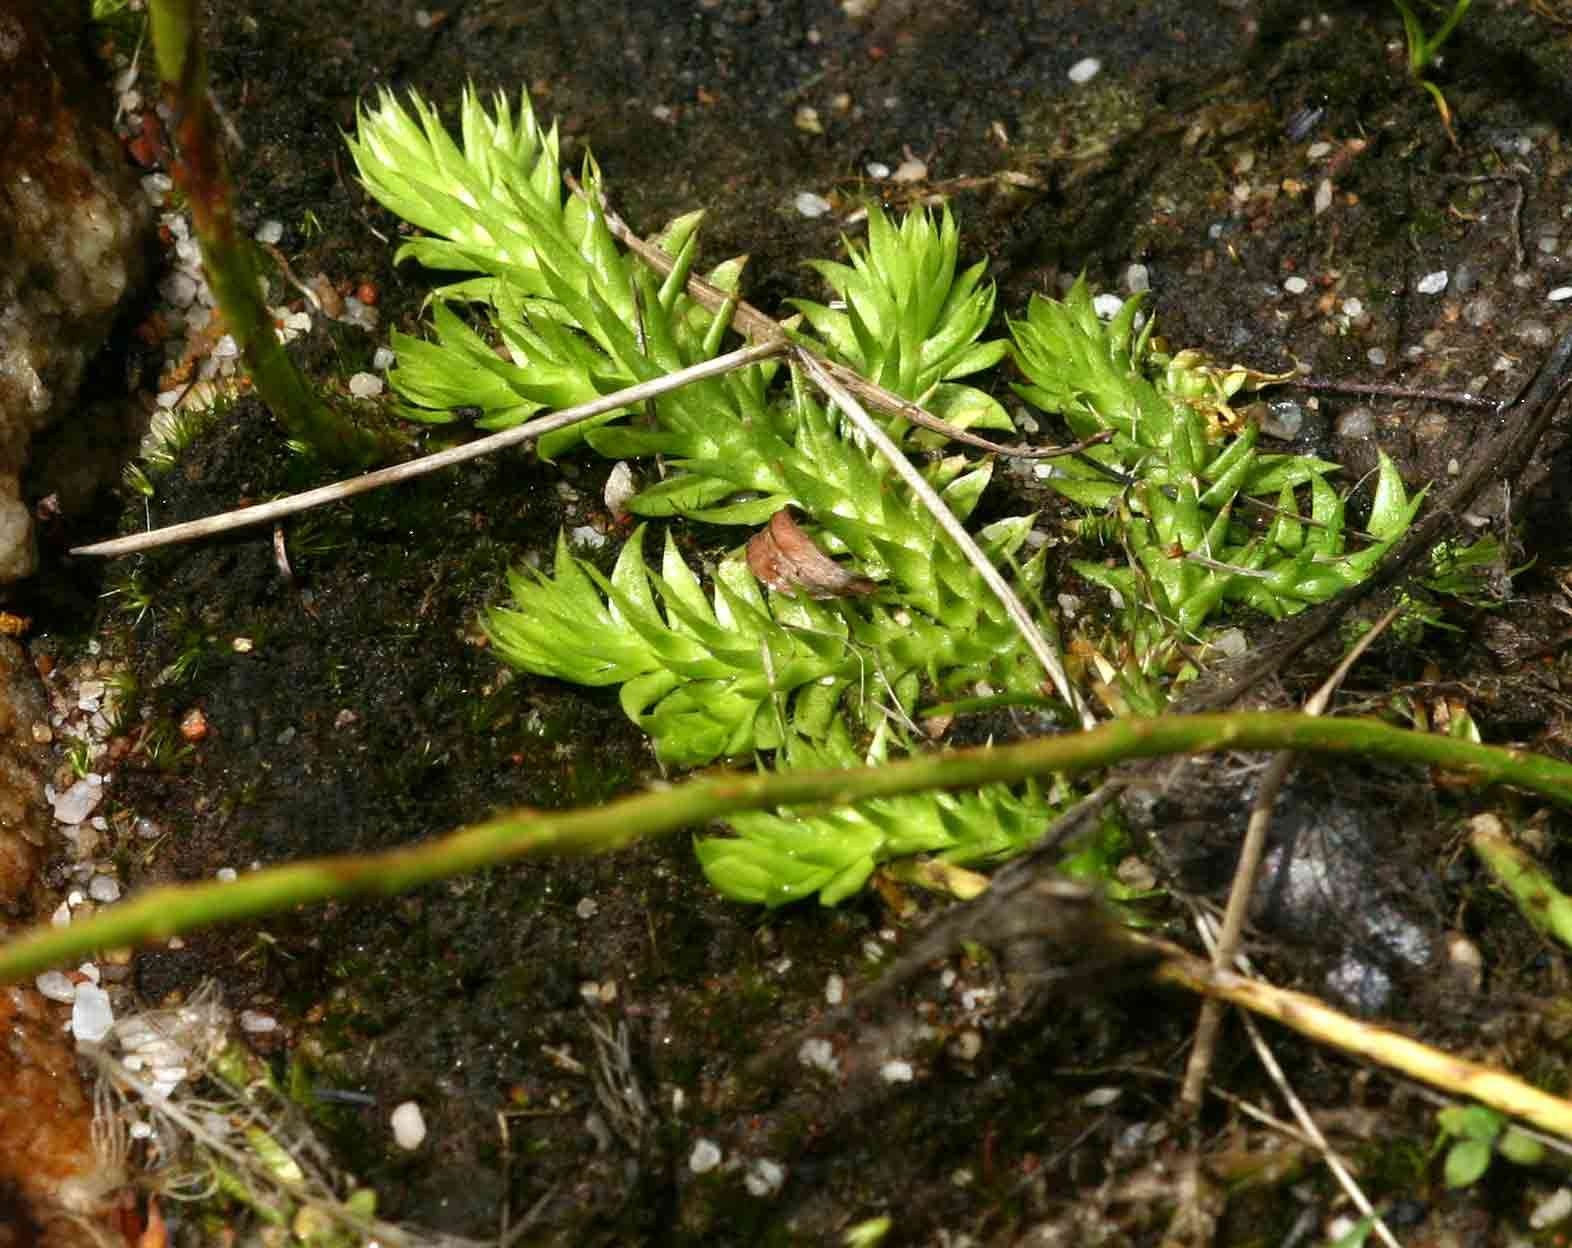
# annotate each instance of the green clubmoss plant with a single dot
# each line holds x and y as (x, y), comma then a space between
(1202, 516)
(552, 311)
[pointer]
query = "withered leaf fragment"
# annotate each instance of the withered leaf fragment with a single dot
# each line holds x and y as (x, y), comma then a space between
(787, 560)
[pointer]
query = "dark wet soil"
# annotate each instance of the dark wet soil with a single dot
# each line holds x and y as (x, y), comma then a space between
(366, 712)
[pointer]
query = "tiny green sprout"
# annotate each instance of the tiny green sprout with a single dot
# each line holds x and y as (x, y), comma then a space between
(1478, 1134)
(1475, 573)
(310, 224)
(868, 1234)
(1423, 48)
(132, 595)
(136, 480)
(79, 756)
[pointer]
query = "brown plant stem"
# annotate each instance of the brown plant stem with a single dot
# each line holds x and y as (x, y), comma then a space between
(228, 258)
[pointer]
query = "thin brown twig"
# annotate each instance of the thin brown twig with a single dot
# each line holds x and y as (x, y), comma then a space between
(754, 324)
(1392, 390)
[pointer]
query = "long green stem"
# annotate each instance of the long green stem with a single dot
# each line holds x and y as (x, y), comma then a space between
(164, 912)
(202, 173)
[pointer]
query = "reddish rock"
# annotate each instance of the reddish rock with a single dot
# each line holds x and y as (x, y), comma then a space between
(71, 219)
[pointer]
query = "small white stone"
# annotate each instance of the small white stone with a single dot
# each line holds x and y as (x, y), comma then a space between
(810, 205)
(878, 169)
(1318, 149)
(225, 875)
(817, 1053)
(1432, 283)
(620, 489)
(706, 1155)
(1231, 643)
(765, 1177)
(226, 348)
(255, 1021)
(587, 535)
(834, 990)
(365, 385)
(104, 888)
(409, 1126)
(1554, 1208)
(587, 908)
(1376, 356)
(1107, 306)
(78, 802)
(1353, 307)
(91, 1015)
(1295, 285)
(1323, 196)
(1137, 278)
(1085, 69)
(384, 359)
(155, 186)
(62, 915)
(178, 288)
(270, 232)
(896, 1072)
(56, 986)
(1559, 295)
(976, 998)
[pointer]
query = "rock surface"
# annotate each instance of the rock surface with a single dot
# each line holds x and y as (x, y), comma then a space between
(70, 222)
(50, 1177)
(24, 815)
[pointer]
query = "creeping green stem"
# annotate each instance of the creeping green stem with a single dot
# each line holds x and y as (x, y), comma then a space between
(165, 912)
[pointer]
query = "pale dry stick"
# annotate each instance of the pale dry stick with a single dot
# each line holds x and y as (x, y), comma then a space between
(1205, 1044)
(1307, 1124)
(191, 530)
(929, 497)
(1488, 1085)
